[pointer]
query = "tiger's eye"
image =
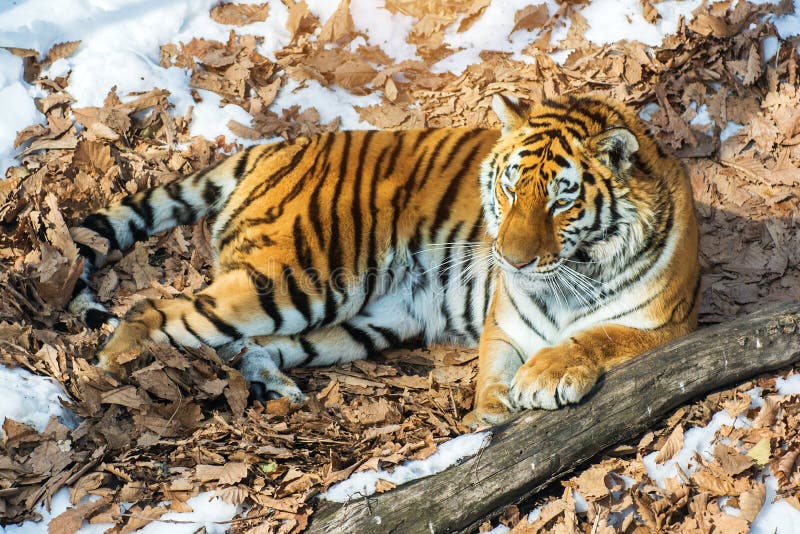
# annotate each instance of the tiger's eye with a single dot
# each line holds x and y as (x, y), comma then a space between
(562, 202)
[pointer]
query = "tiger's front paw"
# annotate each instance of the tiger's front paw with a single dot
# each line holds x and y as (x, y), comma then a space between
(552, 379)
(492, 407)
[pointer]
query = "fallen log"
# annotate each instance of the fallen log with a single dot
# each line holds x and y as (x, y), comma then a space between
(539, 447)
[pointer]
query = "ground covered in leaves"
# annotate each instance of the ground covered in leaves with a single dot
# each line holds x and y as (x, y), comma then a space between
(181, 423)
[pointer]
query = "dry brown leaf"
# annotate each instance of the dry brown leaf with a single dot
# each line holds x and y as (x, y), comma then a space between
(717, 484)
(60, 50)
(751, 501)
(731, 460)
(232, 473)
(672, 446)
(531, 17)
(239, 14)
(339, 27)
(383, 486)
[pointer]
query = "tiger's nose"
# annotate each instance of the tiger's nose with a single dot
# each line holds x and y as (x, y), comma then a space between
(521, 264)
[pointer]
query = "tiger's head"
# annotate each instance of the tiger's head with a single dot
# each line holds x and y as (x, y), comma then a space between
(554, 188)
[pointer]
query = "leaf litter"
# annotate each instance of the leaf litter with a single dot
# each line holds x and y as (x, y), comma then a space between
(181, 424)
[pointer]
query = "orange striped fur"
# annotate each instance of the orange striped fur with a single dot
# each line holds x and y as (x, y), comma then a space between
(562, 246)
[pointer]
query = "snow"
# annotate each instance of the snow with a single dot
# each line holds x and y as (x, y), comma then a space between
(787, 25)
(731, 129)
(32, 399)
(362, 483)
(497, 19)
(114, 51)
(17, 110)
(58, 505)
(789, 385)
(614, 20)
(210, 512)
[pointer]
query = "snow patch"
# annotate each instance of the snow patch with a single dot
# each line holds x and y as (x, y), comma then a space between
(18, 110)
(731, 129)
(362, 484)
(209, 512)
(615, 20)
(32, 399)
(58, 505)
(789, 385)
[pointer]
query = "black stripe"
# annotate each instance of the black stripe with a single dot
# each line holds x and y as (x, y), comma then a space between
(89, 253)
(431, 160)
(163, 324)
(301, 247)
(322, 159)
(141, 207)
(361, 337)
(299, 298)
(443, 210)
(202, 174)
(314, 206)
(241, 165)
(95, 318)
(522, 316)
(187, 214)
(487, 292)
(421, 136)
(372, 260)
(191, 330)
(80, 285)
(265, 289)
(355, 207)
(264, 186)
(468, 316)
(560, 160)
(335, 251)
(204, 305)
(563, 118)
(391, 338)
(101, 224)
(330, 306)
(581, 106)
(139, 234)
(211, 193)
(447, 262)
(398, 145)
(309, 351)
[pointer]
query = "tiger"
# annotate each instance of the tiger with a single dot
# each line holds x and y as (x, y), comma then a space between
(561, 244)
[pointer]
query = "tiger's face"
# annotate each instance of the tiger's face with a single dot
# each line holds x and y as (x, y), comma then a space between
(551, 194)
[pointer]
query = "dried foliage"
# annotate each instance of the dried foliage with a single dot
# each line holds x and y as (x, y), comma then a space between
(181, 423)
(723, 491)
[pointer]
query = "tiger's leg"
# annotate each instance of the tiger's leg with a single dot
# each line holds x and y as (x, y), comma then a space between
(260, 366)
(354, 339)
(499, 358)
(565, 373)
(237, 305)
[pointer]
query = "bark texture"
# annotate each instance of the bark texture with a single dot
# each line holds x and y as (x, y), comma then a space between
(537, 447)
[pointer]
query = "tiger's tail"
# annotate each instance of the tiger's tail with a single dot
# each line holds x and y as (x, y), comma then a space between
(183, 201)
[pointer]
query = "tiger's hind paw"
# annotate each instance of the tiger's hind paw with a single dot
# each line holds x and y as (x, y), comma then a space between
(267, 382)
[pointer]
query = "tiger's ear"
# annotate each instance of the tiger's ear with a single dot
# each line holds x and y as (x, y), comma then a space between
(615, 147)
(510, 110)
